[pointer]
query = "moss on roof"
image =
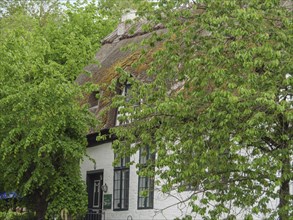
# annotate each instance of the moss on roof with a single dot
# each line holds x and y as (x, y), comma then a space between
(111, 56)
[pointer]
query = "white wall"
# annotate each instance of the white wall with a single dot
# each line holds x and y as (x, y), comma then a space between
(166, 206)
(104, 156)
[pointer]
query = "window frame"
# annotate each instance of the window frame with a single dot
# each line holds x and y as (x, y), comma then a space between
(125, 93)
(148, 180)
(94, 194)
(122, 167)
(127, 88)
(93, 100)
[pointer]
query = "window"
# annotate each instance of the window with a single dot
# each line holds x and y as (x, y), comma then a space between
(126, 93)
(93, 99)
(97, 194)
(124, 117)
(145, 183)
(121, 185)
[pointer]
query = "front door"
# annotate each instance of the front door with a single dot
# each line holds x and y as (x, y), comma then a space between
(95, 194)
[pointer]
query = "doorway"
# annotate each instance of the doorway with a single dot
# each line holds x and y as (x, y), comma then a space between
(95, 194)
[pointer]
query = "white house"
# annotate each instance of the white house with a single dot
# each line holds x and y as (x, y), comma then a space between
(115, 192)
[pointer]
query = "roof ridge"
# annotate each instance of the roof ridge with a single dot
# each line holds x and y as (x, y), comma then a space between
(129, 32)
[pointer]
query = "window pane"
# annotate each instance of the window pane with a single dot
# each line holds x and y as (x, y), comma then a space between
(96, 196)
(121, 188)
(141, 202)
(147, 201)
(117, 183)
(127, 92)
(141, 184)
(117, 175)
(145, 192)
(124, 161)
(125, 188)
(146, 184)
(116, 204)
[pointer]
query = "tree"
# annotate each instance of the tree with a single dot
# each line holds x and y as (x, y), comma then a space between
(43, 126)
(218, 112)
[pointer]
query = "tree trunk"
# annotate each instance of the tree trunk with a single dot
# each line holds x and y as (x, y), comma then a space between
(284, 192)
(41, 207)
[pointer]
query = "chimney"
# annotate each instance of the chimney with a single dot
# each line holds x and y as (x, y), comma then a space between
(129, 15)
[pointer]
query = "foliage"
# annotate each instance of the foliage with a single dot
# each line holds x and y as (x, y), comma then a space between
(218, 112)
(43, 127)
(188, 217)
(3, 205)
(16, 216)
(37, 9)
(118, 7)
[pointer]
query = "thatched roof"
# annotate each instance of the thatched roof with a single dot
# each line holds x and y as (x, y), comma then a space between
(111, 56)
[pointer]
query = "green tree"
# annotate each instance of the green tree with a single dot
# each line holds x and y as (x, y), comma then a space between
(43, 126)
(218, 112)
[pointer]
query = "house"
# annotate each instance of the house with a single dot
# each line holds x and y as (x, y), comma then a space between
(115, 192)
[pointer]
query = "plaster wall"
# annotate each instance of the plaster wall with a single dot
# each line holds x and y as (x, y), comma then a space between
(166, 206)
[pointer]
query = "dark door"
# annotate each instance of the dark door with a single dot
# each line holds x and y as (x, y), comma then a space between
(95, 195)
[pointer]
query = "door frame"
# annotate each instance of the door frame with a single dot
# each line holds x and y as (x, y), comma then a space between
(90, 183)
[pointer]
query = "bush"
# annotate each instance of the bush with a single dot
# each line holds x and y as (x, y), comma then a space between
(9, 215)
